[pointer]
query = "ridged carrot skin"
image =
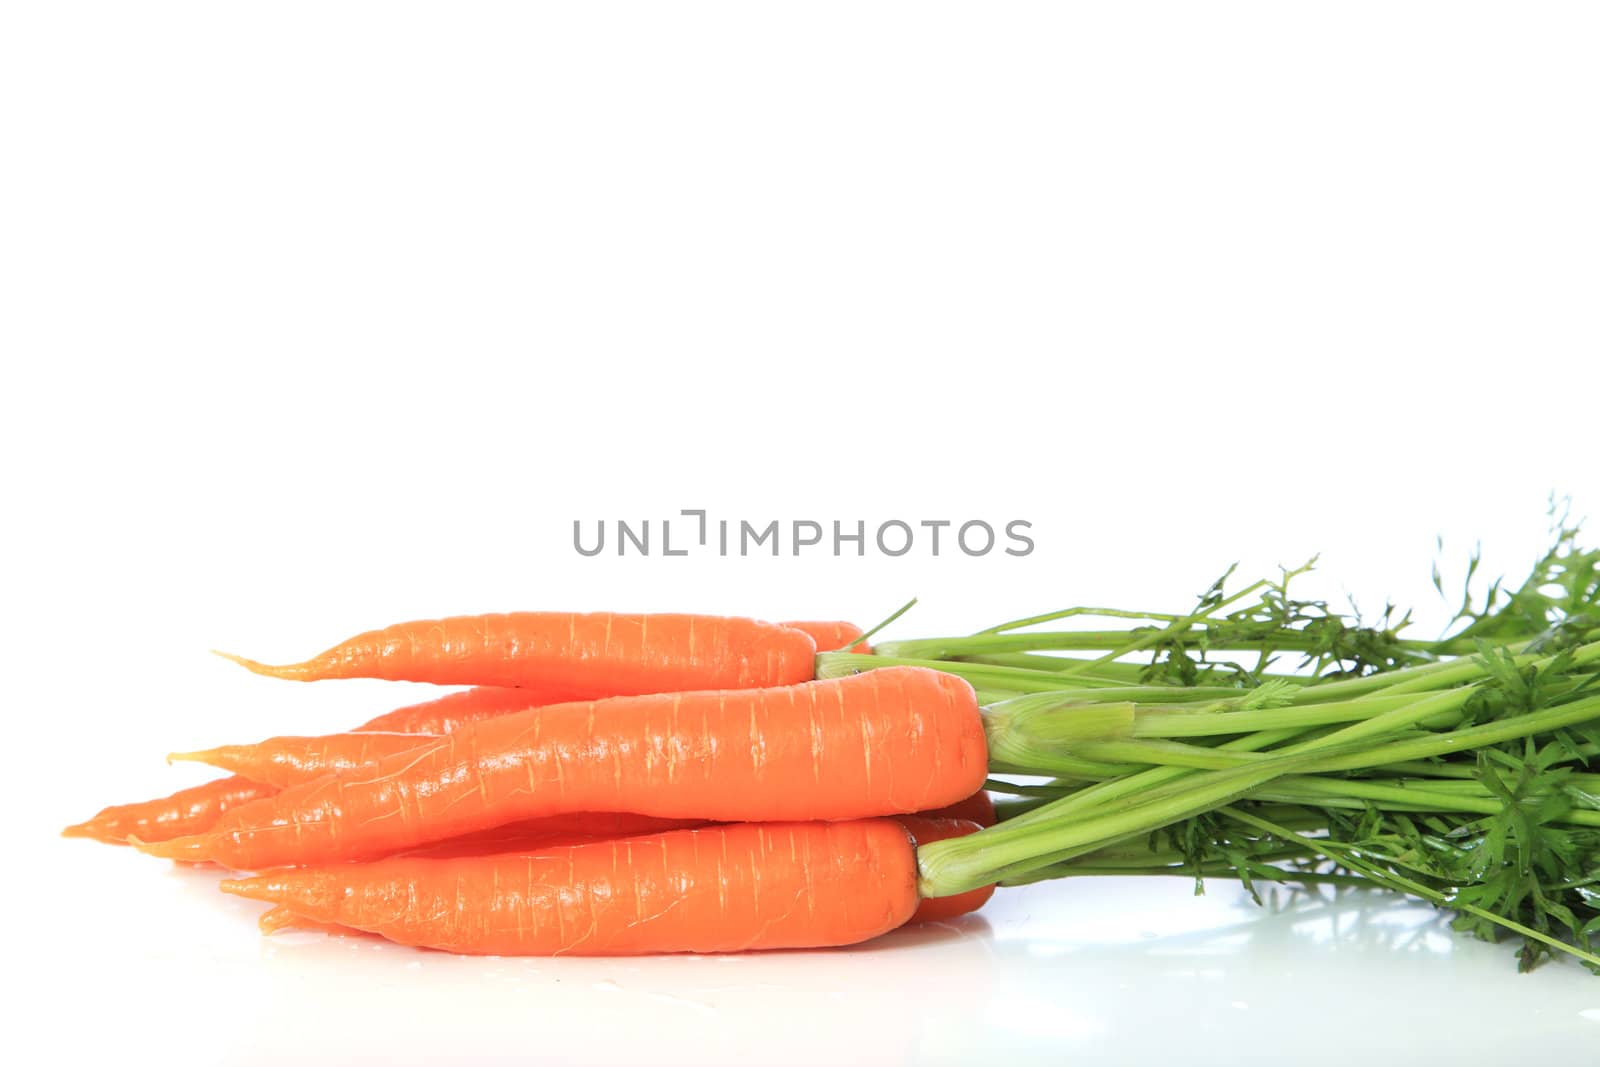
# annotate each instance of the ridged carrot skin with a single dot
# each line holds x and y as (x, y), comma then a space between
(291, 760)
(196, 810)
(832, 635)
(448, 713)
(936, 909)
(445, 714)
(576, 656)
(886, 742)
(717, 889)
(978, 808)
(541, 834)
(188, 811)
(532, 835)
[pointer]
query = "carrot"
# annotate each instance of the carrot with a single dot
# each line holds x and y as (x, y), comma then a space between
(569, 656)
(287, 761)
(188, 811)
(716, 889)
(195, 810)
(539, 834)
(446, 714)
(290, 760)
(935, 909)
(831, 636)
(885, 742)
(531, 835)
(978, 808)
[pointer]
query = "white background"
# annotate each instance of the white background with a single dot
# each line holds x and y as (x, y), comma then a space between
(319, 316)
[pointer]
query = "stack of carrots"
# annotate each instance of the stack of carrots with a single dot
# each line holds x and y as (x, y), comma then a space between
(611, 784)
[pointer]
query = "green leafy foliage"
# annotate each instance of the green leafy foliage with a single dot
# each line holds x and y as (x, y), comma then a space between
(1504, 831)
(1327, 643)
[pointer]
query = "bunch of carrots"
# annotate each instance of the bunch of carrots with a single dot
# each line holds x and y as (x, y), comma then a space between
(612, 784)
(672, 783)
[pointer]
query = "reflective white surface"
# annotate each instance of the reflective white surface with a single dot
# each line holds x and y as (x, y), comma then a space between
(1122, 970)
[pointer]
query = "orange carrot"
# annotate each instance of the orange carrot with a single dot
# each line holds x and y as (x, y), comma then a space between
(891, 741)
(716, 889)
(935, 909)
(831, 636)
(445, 714)
(569, 655)
(287, 761)
(539, 834)
(193, 811)
(188, 811)
(531, 835)
(978, 808)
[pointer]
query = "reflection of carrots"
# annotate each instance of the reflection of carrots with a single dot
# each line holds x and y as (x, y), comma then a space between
(884, 742)
(569, 656)
(714, 889)
(831, 636)
(933, 909)
(188, 811)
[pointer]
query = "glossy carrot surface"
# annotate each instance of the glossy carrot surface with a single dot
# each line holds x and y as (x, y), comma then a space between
(289, 760)
(568, 655)
(892, 741)
(831, 636)
(716, 889)
(197, 809)
(445, 714)
(188, 811)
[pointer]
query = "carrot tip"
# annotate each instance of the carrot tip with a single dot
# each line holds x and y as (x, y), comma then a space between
(198, 756)
(254, 888)
(277, 918)
(83, 829)
(191, 849)
(254, 666)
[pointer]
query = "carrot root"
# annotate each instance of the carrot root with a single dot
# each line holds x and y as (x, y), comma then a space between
(193, 848)
(885, 742)
(724, 889)
(188, 811)
(214, 756)
(293, 671)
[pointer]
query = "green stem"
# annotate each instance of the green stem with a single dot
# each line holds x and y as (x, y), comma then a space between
(1355, 793)
(1409, 749)
(1162, 722)
(1049, 836)
(982, 676)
